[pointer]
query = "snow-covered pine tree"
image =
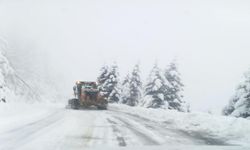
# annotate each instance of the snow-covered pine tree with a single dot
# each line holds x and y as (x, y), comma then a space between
(7, 74)
(112, 84)
(5, 70)
(173, 94)
(125, 92)
(135, 87)
(12, 87)
(154, 90)
(102, 78)
(239, 105)
(230, 108)
(115, 95)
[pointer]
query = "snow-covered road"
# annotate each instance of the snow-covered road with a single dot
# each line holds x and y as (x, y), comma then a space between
(64, 129)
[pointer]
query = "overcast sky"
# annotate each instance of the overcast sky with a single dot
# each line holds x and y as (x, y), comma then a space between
(73, 38)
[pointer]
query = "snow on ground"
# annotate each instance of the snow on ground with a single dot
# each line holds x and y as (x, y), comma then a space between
(233, 130)
(177, 148)
(18, 114)
(42, 126)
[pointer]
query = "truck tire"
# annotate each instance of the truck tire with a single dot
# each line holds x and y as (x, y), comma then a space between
(102, 107)
(74, 103)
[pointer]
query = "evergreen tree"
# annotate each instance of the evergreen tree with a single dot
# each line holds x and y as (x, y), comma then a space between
(173, 94)
(103, 74)
(228, 110)
(12, 87)
(115, 95)
(154, 90)
(103, 77)
(239, 105)
(125, 90)
(135, 86)
(112, 85)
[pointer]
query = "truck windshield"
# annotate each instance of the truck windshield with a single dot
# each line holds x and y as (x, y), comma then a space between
(89, 86)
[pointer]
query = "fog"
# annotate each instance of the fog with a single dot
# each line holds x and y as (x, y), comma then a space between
(61, 41)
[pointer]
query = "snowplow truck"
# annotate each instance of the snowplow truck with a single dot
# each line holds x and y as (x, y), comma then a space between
(86, 95)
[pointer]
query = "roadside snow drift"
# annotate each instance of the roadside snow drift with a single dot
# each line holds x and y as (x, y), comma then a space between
(233, 130)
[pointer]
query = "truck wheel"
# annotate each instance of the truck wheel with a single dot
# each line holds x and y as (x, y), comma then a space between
(75, 104)
(102, 107)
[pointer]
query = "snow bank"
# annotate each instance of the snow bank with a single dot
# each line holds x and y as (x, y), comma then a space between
(233, 130)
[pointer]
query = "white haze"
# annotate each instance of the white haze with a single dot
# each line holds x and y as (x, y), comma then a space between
(62, 41)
